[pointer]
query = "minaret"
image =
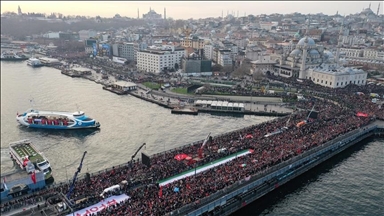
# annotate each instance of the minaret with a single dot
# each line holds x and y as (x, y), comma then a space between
(138, 13)
(165, 13)
(305, 50)
(378, 9)
(369, 5)
(19, 10)
(339, 42)
(150, 9)
(222, 14)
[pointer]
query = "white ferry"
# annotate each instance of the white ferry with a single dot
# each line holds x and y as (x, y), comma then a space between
(10, 56)
(34, 62)
(56, 120)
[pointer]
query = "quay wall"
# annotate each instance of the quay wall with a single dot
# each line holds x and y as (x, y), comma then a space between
(231, 199)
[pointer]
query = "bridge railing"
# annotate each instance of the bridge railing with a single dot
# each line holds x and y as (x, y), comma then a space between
(233, 189)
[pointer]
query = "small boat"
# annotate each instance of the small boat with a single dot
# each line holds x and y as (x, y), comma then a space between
(56, 120)
(34, 62)
(10, 56)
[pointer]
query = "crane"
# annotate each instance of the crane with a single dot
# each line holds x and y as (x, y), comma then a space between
(134, 155)
(75, 176)
(202, 146)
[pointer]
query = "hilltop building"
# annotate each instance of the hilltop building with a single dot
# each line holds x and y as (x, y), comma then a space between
(314, 62)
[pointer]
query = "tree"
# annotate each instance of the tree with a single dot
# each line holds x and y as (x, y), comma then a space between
(258, 75)
(244, 69)
(217, 67)
(228, 70)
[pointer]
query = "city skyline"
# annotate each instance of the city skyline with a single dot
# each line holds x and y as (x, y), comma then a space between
(186, 10)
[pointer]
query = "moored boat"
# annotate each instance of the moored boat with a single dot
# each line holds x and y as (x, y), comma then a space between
(26, 155)
(10, 56)
(56, 120)
(34, 62)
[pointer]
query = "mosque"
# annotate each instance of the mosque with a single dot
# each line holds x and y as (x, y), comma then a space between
(314, 62)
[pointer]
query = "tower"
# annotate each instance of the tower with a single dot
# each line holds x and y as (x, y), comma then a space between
(378, 10)
(138, 13)
(305, 50)
(339, 42)
(165, 13)
(19, 10)
(369, 5)
(222, 14)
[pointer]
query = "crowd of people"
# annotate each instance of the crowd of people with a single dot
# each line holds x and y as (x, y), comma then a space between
(336, 116)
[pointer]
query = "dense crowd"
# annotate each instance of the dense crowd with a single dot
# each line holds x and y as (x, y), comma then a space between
(336, 116)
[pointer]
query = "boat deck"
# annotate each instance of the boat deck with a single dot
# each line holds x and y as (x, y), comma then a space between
(25, 149)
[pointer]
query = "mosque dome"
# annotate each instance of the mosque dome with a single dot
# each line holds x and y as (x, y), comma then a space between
(328, 54)
(295, 52)
(302, 41)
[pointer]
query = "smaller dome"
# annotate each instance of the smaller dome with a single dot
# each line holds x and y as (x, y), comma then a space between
(297, 35)
(295, 52)
(328, 54)
(314, 52)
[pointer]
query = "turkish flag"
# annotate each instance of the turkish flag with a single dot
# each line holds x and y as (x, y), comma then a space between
(33, 177)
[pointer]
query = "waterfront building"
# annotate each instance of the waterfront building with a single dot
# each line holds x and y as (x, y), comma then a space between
(127, 51)
(195, 66)
(158, 60)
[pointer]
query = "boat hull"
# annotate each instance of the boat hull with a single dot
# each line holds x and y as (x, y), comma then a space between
(59, 127)
(56, 120)
(13, 59)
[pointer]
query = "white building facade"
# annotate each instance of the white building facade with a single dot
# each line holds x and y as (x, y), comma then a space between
(337, 77)
(155, 61)
(208, 51)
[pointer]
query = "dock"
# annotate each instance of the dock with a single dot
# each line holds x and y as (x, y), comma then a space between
(70, 73)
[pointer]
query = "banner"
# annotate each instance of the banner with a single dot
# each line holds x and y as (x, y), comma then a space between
(113, 200)
(361, 114)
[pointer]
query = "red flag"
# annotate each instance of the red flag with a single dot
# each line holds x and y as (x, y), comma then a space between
(189, 187)
(25, 162)
(33, 177)
(161, 192)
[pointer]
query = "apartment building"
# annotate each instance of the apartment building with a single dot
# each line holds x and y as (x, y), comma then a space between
(127, 51)
(195, 43)
(224, 58)
(208, 51)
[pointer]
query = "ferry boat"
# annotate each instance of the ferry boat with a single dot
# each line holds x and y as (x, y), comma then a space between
(26, 155)
(34, 62)
(10, 56)
(56, 120)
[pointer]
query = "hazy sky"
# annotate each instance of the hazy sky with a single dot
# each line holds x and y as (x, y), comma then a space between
(186, 9)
